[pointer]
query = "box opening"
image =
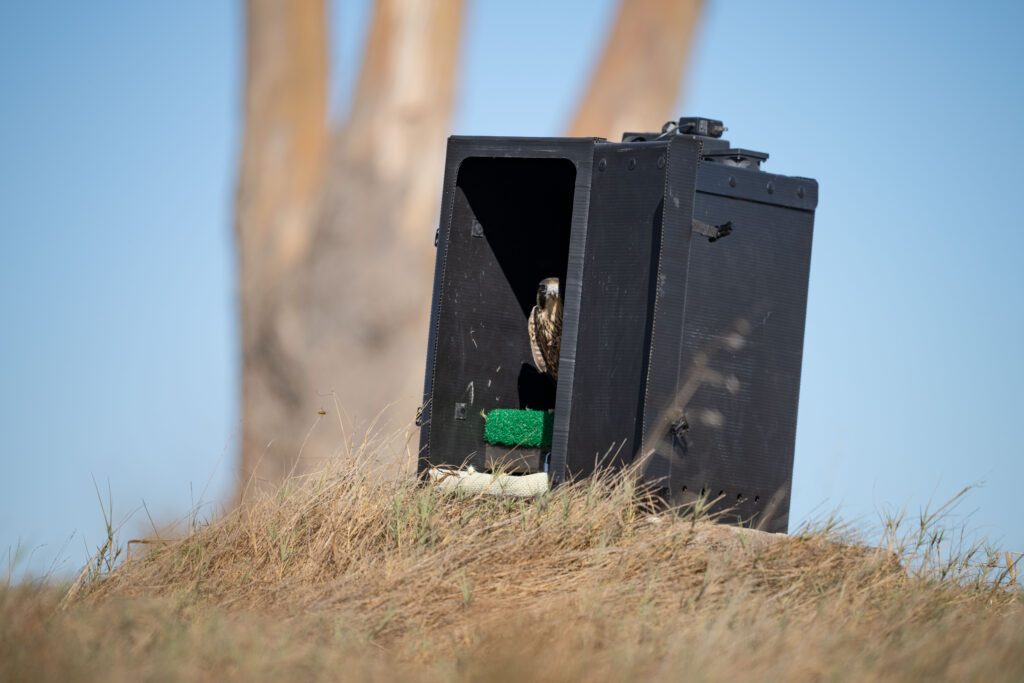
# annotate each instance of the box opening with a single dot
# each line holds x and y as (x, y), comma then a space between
(525, 209)
(510, 229)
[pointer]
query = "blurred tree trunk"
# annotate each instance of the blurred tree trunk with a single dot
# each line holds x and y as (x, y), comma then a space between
(282, 162)
(335, 224)
(638, 78)
(335, 230)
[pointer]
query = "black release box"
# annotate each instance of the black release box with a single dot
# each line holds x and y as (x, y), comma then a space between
(684, 271)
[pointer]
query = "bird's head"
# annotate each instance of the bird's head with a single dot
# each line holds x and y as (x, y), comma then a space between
(548, 293)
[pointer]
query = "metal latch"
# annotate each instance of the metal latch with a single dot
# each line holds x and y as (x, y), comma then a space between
(712, 232)
(679, 428)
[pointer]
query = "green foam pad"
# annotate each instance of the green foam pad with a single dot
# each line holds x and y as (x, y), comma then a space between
(519, 427)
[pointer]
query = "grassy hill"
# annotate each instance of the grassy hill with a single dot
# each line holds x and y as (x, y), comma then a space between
(344, 575)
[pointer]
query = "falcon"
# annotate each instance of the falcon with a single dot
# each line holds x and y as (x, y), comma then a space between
(545, 327)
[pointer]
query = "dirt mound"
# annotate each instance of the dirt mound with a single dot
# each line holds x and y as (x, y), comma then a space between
(346, 574)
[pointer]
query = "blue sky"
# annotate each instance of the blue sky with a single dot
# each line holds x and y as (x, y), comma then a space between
(119, 127)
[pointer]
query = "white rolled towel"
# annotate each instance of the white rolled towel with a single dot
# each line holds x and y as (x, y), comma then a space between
(470, 481)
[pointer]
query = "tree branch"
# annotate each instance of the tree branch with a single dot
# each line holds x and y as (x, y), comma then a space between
(639, 76)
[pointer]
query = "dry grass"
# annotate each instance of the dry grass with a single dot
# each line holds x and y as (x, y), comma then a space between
(345, 575)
